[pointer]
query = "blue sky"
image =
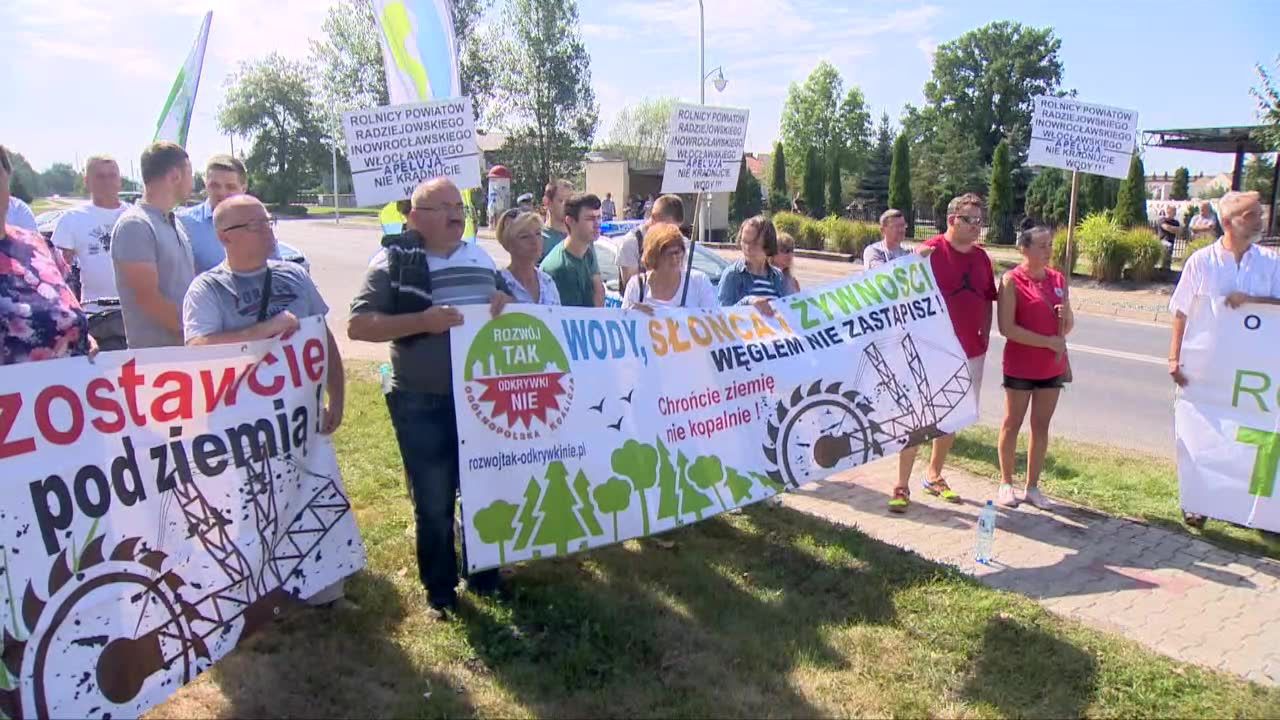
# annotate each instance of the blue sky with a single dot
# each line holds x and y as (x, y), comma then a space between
(83, 76)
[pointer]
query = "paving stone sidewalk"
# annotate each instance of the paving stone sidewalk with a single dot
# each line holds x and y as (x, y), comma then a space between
(1167, 590)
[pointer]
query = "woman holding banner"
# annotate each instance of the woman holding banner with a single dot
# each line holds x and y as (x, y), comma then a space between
(1034, 312)
(520, 234)
(663, 286)
(753, 280)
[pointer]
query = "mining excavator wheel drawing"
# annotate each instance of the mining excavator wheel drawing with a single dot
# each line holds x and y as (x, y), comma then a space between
(818, 428)
(104, 628)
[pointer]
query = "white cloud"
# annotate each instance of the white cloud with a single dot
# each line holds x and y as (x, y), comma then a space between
(598, 31)
(928, 46)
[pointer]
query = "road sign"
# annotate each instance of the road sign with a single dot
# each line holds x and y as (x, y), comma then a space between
(1072, 135)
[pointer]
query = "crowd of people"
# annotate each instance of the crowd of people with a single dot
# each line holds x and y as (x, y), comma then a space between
(211, 274)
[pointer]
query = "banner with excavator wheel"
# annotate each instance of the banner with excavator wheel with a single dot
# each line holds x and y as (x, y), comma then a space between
(161, 505)
(584, 427)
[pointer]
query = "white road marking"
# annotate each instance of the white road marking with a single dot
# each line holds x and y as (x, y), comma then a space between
(1107, 352)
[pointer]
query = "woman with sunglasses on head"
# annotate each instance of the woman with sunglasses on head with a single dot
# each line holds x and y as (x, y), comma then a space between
(520, 234)
(664, 285)
(783, 261)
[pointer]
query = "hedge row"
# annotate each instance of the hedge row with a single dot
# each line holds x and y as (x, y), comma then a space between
(833, 234)
(1111, 249)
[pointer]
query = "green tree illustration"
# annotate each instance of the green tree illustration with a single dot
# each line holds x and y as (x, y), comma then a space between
(583, 489)
(739, 486)
(528, 519)
(768, 482)
(707, 472)
(691, 501)
(560, 524)
(668, 494)
(638, 463)
(613, 497)
(496, 525)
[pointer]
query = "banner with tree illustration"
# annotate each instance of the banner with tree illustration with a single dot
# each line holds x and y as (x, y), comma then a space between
(1227, 418)
(586, 427)
(162, 504)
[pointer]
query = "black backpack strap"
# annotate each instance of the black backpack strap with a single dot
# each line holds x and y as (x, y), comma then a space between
(407, 268)
(641, 287)
(265, 303)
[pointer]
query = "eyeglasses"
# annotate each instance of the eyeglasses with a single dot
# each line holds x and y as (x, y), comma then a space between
(458, 207)
(261, 224)
(969, 220)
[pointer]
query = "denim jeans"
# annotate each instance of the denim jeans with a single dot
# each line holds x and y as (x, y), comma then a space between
(427, 432)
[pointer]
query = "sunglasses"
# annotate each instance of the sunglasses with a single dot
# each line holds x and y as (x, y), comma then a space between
(969, 220)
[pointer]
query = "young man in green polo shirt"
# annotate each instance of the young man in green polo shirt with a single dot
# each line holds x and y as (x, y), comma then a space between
(572, 263)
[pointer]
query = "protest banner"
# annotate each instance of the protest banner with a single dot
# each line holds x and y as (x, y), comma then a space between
(391, 149)
(584, 428)
(1227, 418)
(1083, 137)
(704, 149)
(162, 505)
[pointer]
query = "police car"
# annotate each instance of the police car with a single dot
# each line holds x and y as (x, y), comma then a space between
(610, 242)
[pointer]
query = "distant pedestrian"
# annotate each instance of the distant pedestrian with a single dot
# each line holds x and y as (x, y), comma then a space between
(1233, 271)
(151, 252)
(520, 234)
(663, 285)
(554, 231)
(1168, 228)
(798, 205)
(784, 260)
(752, 280)
(572, 263)
(962, 270)
(893, 230)
(1205, 225)
(1034, 317)
(407, 299)
(83, 234)
(607, 209)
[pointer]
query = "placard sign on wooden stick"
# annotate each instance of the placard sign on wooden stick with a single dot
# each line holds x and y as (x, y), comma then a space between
(393, 148)
(704, 149)
(1073, 135)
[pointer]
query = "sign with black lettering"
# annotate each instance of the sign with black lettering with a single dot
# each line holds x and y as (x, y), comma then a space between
(704, 149)
(1073, 135)
(392, 149)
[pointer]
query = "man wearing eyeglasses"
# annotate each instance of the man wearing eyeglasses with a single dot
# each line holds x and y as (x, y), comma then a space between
(964, 276)
(408, 299)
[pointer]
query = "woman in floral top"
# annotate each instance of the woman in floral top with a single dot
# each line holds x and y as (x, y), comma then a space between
(40, 318)
(520, 234)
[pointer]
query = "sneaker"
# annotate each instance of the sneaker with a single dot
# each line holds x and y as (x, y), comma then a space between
(900, 501)
(1006, 496)
(1034, 497)
(440, 612)
(940, 488)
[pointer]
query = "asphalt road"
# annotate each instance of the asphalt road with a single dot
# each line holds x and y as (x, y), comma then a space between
(1121, 396)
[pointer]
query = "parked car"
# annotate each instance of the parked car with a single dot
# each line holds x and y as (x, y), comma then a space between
(610, 242)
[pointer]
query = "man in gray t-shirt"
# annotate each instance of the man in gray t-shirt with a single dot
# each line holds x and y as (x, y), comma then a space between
(893, 230)
(151, 254)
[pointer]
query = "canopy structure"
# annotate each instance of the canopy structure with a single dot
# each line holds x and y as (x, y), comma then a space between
(1236, 140)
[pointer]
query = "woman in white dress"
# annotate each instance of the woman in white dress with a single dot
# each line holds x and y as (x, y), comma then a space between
(664, 285)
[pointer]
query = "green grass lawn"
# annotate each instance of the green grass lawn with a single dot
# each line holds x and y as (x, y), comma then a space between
(1116, 481)
(40, 205)
(763, 613)
(327, 211)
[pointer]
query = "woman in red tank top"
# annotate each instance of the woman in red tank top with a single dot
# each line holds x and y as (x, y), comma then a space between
(1035, 317)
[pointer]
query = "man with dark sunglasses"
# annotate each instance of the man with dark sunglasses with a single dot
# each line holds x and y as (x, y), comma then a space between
(963, 272)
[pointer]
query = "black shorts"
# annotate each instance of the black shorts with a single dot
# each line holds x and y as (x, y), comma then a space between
(1053, 383)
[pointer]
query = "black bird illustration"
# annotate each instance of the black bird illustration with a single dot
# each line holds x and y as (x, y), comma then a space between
(617, 426)
(598, 408)
(627, 398)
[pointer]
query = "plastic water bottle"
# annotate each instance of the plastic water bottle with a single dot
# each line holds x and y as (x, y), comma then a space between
(986, 533)
(384, 372)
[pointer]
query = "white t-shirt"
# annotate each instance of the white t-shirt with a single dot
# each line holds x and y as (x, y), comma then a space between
(629, 251)
(86, 231)
(1213, 272)
(702, 294)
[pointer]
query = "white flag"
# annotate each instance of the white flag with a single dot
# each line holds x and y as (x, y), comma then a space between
(175, 119)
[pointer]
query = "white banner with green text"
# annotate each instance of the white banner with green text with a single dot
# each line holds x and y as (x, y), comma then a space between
(1227, 418)
(585, 427)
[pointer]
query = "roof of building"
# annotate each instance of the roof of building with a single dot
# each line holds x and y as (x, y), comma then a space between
(1214, 140)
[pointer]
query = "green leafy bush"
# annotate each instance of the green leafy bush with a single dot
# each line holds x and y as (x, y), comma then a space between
(789, 223)
(289, 210)
(1145, 253)
(838, 234)
(1103, 241)
(1059, 260)
(1192, 247)
(810, 235)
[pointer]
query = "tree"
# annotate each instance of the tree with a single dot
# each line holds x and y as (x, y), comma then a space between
(582, 487)
(495, 525)
(548, 106)
(900, 182)
(1042, 196)
(819, 114)
(1000, 197)
(668, 492)
(691, 501)
(59, 179)
(945, 163)
(1131, 204)
(528, 514)
(559, 510)
(18, 189)
(1258, 174)
(984, 82)
(1181, 183)
(739, 485)
(873, 190)
(835, 190)
(197, 182)
(1267, 94)
(638, 463)
(639, 133)
(813, 190)
(747, 200)
(612, 497)
(779, 195)
(269, 101)
(23, 171)
(707, 472)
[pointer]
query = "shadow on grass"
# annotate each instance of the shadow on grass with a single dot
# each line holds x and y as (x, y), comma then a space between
(1013, 664)
(365, 672)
